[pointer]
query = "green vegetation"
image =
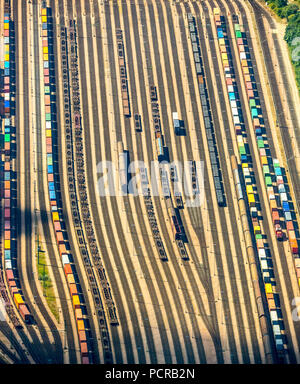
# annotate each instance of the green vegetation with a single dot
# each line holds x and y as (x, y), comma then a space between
(45, 280)
(291, 12)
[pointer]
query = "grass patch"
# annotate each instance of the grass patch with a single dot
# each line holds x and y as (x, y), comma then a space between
(291, 13)
(45, 281)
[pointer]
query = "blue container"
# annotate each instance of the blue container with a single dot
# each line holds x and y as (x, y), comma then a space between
(44, 25)
(285, 206)
(258, 131)
(51, 186)
(220, 35)
(176, 123)
(278, 172)
(231, 96)
(6, 72)
(7, 130)
(7, 255)
(50, 168)
(6, 104)
(244, 158)
(7, 175)
(52, 195)
(6, 64)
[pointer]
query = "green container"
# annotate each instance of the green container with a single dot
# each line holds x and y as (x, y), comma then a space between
(242, 150)
(7, 138)
(266, 169)
(258, 236)
(237, 27)
(47, 90)
(268, 180)
(238, 34)
(252, 103)
(48, 116)
(260, 144)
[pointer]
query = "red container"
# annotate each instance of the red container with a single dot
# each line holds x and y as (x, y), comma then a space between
(24, 312)
(82, 336)
(73, 289)
(46, 80)
(84, 349)
(12, 284)
(6, 235)
(57, 226)
(49, 149)
(7, 203)
(289, 225)
(6, 33)
(7, 213)
(59, 237)
(85, 360)
(249, 85)
(68, 269)
(46, 71)
(47, 99)
(229, 81)
(275, 217)
(50, 177)
(9, 275)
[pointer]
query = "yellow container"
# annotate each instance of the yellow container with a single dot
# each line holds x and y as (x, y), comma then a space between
(268, 288)
(70, 278)
(264, 160)
(6, 25)
(249, 189)
(221, 41)
(44, 11)
(80, 325)
(76, 301)
(6, 57)
(55, 216)
(7, 244)
(224, 56)
(251, 199)
(246, 70)
(45, 49)
(225, 63)
(44, 19)
(48, 133)
(6, 48)
(216, 11)
(256, 229)
(245, 165)
(45, 57)
(18, 299)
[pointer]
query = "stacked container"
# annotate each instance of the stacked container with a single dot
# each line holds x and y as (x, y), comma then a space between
(66, 257)
(265, 259)
(9, 224)
(262, 143)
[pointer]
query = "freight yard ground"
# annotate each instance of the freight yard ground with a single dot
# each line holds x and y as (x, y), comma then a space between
(152, 146)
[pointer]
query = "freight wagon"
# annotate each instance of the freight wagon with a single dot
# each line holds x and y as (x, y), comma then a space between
(176, 227)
